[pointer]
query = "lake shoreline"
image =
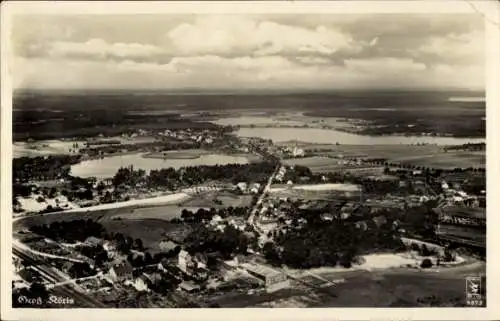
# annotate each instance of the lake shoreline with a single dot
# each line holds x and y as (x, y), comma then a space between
(106, 167)
(333, 136)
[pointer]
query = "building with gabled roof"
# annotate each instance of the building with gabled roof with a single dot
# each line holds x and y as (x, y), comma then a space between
(273, 279)
(121, 272)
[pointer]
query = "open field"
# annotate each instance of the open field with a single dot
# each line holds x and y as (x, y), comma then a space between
(43, 148)
(323, 164)
(316, 187)
(316, 163)
(161, 212)
(226, 199)
(150, 231)
(426, 155)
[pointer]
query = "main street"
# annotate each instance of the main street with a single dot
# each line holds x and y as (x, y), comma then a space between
(252, 218)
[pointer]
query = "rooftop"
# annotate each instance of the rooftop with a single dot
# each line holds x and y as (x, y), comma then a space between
(123, 268)
(189, 286)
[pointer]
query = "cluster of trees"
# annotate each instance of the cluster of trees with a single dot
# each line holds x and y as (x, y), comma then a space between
(340, 242)
(228, 242)
(140, 147)
(192, 175)
(129, 176)
(202, 214)
(95, 252)
(25, 169)
(420, 221)
(69, 231)
(467, 147)
(80, 270)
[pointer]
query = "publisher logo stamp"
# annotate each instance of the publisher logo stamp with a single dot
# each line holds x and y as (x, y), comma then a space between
(473, 291)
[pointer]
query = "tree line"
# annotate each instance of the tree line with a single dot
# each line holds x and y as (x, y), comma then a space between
(193, 175)
(49, 167)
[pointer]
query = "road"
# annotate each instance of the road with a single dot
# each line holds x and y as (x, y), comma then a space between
(253, 214)
(69, 290)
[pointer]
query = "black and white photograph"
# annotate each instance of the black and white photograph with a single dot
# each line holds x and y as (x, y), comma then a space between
(218, 159)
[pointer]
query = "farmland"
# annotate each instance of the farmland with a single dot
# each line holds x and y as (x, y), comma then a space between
(321, 164)
(161, 212)
(218, 200)
(418, 155)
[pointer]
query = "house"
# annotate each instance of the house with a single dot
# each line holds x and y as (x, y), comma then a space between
(217, 220)
(198, 273)
(189, 286)
(184, 260)
(121, 272)
(141, 284)
(298, 152)
(327, 217)
(238, 224)
(200, 260)
(111, 248)
(242, 186)
(146, 280)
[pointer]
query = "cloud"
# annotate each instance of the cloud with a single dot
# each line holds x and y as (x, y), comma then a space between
(459, 49)
(228, 36)
(228, 51)
(95, 49)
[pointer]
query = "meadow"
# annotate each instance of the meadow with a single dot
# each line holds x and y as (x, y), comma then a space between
(418, 155)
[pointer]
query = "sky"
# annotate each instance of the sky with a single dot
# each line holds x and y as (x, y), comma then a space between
(241, 52)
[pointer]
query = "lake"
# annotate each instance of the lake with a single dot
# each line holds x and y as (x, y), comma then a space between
(330, 136)
(108, 166)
